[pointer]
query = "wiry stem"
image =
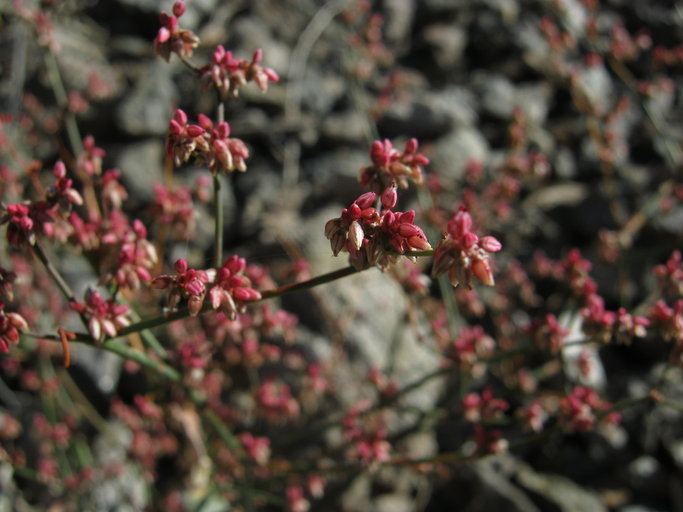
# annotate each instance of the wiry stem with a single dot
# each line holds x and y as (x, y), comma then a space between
(54, 273)
(218, 203)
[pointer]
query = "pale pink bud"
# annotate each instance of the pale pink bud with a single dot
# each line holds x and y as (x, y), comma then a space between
(179, 8)
(490, 244)
(366, 200)
(389, 197)
(181, 266)
(482, 271)
(356, 234)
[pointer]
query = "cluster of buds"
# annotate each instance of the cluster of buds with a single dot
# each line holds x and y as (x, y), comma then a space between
(533, 416)
(173, 39)
(232, 287)
(113, 192)
(462, 254)
(137, 258)
(483, 407)
(548, 334)
(258, 448)
(187, 283)
(471, 348)
(603, 325)
(670, 275)
(373, 237)
(391, 167)
(174, 208)
(10, 326)
(582, 408)
(368, 435)
(211, 145)
(89, 162)
(62, 191)
(668, 320)
(275, 400)
(227, 74)
(104, 316)
(26, 220)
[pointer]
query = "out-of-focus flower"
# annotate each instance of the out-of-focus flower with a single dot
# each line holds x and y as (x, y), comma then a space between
(391, 167)
(173, 39)
(462, 254)
(227, 74)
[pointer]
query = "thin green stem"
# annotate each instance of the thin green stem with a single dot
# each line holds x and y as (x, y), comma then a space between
(62, 98)
(218, 202)
(54, 273)
(218, 221)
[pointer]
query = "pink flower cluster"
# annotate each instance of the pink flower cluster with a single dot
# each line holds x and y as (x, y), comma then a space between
(582, 409)
(368, 435)
(210, 144)
(548, 334)
(373, 237)
(603, 325)
(230, 290)
(227, 74)
(10, 326)
(26, 220)
(137, 257)
(275, 400)
(232, 287)
(104, 316)
(471, 348)
(89, 162)
(173, 39)
(391, 167)
(462, 254)
(483, 407)
(173, 208)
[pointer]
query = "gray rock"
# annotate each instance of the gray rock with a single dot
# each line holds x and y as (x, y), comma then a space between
(250, 33)
(534, 100)
(447, 42)
(149, 107)
(399, 20)
(82, 54)
(320, 92)
(393, 503)
(596, 84)
(565, 494)
(346, 127)
(141, 167)
(498, 95)
(336, 172)
(431, 114)
(453, 151)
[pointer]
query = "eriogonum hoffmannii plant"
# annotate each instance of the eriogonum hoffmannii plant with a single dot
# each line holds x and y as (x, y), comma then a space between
(239, 400)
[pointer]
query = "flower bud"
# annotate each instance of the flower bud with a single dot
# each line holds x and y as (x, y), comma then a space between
(389, 197)
(179, 8)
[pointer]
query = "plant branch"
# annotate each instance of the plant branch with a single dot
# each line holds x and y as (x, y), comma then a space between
(54, 273)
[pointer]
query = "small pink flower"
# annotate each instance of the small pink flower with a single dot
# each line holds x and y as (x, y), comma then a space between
(392, 167)
(11, 324)
(227, 74)
(463, 255)
(173, 39)
(90, 160)
(104, 316)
